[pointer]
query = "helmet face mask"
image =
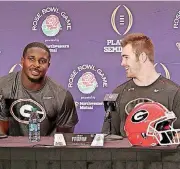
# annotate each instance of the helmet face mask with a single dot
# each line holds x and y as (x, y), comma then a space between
(151, 124)
(164, 131)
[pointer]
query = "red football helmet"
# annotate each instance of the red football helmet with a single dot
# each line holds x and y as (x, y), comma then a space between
(151, 124)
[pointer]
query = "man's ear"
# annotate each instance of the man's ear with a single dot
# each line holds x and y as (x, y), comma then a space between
(22, 60)
(143, 57)
(49, 63)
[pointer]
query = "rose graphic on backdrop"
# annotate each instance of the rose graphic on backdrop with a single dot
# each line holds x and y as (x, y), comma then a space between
(51, 25)
(87, 83)
(88, 79)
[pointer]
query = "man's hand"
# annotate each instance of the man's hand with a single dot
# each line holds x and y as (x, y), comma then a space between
(176, 138)
(4, 126)
(65, 129)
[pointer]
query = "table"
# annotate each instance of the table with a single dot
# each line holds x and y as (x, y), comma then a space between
(18, 153)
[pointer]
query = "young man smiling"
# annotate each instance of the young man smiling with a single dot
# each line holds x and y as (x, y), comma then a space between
(144, 83)
(31, 87)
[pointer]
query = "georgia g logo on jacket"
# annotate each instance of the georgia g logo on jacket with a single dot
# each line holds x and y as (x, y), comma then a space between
(21, 109)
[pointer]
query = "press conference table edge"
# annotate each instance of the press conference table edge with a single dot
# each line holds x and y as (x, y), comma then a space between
(47, 142)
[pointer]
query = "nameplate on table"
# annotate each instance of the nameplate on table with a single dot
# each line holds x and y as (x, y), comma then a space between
(59, 140)
(98, 140)
(78, 139)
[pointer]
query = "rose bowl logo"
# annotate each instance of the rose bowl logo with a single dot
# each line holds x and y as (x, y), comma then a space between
(51, 25)
(87, 78)
(87, 83)
(51, 21)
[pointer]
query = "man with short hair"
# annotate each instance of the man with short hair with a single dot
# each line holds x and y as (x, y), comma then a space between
(144, 83)
(31, 87)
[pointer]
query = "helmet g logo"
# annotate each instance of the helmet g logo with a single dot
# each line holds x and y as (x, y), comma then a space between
(139, 116)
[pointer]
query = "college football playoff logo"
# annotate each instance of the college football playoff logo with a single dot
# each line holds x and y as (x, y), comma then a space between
(167, 74)
(121, 21)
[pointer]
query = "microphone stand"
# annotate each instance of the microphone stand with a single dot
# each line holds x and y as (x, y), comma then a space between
(110, 136)
(109, 118)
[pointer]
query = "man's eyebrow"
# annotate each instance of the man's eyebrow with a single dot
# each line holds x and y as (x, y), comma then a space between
(30, 56)
(124, 55)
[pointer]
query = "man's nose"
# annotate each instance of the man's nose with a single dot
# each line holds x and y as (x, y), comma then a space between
(36, 63)
(122, 62)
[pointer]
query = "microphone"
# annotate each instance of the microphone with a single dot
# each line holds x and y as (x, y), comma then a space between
(110, 102)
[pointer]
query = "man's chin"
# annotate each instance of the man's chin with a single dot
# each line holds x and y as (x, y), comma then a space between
(36, 79)
(129, 76)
